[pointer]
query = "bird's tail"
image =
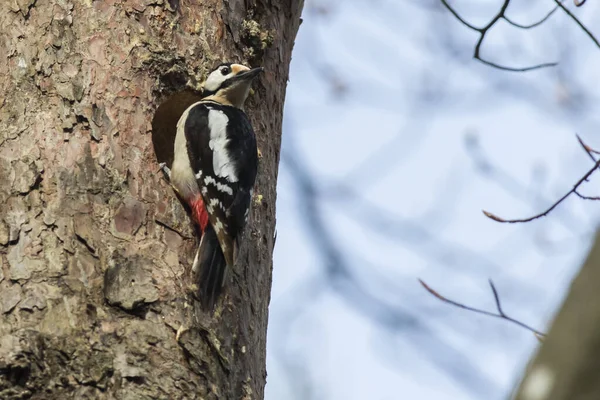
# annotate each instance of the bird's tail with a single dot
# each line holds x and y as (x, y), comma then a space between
(209, 269)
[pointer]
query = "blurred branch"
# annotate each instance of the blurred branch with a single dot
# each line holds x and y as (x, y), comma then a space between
(344, 280)
(484, 30)
(553, 206)
(354, 283)
(285, 314)
(416, 238)
(499, 314)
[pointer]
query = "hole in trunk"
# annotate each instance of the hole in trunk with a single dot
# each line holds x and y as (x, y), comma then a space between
(164, 123)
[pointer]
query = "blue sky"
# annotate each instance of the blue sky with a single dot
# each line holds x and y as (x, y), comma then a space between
(405, 139)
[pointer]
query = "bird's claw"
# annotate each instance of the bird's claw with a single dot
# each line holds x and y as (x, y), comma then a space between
(166, 170)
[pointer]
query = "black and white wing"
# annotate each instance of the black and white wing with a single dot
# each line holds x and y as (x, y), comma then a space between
(223, 156)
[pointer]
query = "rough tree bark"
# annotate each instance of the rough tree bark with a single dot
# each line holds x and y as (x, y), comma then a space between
(95, 249)
(567, 363)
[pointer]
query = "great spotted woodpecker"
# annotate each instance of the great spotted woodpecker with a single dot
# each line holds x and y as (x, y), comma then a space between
(214, 170)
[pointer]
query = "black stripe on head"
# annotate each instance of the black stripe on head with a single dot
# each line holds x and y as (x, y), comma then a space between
(228, 64)
(206, 92)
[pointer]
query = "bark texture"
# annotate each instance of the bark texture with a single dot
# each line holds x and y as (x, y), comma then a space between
(567, 363)
(95, 249)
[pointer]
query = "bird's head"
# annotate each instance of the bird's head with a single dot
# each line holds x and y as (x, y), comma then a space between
(230, 84)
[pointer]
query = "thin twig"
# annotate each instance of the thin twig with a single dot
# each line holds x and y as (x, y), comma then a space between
(458, 17)
(577, 21)
(484, 30)
(587, 148)
(516, 69)
(581, 196)
(590, 152)
(535, 24)
(499, 175)
(552, 207)
(496, 298)
(500, 313)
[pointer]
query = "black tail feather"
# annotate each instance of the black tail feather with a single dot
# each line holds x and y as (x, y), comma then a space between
(211, 269)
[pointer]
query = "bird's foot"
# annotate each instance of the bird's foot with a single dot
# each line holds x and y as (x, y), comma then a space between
(166, 170)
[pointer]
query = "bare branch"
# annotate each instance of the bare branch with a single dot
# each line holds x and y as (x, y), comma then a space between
(500, 313)
(483, 31)
(496, 298)
(577, 21)
(587, 148)
(581, 196)
(516, 69)
(552, 207)
(507, 182)
(535, 24)
(458, 17)
(589, 151)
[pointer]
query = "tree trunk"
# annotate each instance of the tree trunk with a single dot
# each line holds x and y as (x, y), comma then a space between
(567, 364)
(95, 249)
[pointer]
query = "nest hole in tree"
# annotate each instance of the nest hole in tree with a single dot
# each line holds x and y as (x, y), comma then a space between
(164, 123)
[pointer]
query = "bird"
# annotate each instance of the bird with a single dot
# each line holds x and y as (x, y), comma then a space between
(214, 171)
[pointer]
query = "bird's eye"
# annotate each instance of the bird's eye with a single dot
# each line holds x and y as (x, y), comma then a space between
(225, 70)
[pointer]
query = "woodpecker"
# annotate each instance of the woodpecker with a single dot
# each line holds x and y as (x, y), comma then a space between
(214, 170)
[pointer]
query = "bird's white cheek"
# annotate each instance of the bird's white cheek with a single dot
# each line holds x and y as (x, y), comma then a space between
(214, 81)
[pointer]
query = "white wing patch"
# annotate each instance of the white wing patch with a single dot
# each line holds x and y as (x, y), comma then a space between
(224, 188)
(219, 226)
(215, 202)
(222, 164)
(209, 180)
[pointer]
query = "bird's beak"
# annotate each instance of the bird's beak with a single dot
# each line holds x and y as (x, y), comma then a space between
(249, 74)
(239, 86)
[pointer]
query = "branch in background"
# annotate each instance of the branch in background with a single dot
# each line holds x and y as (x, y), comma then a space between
(590, 152)
(500, 313)
(501, 177)
(347, 282)
(501, 15)
(563, 198)
(577, 21)
(587, 148)
(583, 197)
(535, 24)
(343, 279)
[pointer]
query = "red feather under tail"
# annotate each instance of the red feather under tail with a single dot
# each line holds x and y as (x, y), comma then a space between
(199, 213)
